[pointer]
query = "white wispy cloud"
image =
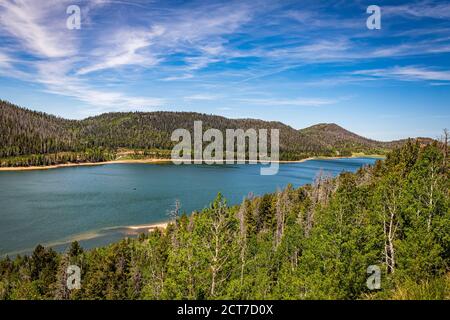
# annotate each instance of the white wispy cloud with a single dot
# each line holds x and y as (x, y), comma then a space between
(185, 42)
(5, 61)
(296, 102)
(178, 77)
(39, 25)
(314, 19)
(196, 32)
(54, 76)
(428, 9)
(408, 73)
(39, 29)
(203, 97)
(64, 67)
(123, 49)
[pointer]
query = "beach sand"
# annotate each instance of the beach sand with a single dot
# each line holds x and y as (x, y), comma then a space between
(124, 231)
(64, 165)
(130, 161)
(155, 160)
(149, 227)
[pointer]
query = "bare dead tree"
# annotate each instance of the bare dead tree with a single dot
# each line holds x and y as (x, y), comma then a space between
(390, 226)
(61, 292)
(445, 145)
(217, 261)
(174, 214)
(280, 217)
(256, 213)
(136, 279)
(240, 215)
(242, 240)
(156, 271)
(319, 194)
(433, 186)
(191, 223)
(221, 238)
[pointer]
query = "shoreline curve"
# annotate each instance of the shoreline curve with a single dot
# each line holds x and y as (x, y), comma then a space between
(157, 160)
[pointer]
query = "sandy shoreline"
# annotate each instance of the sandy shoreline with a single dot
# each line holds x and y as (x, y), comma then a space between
(64, 165)
(156, 160)
(149, 227)
(93, 234)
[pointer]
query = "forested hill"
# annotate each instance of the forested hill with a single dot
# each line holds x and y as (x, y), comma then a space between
(332, 136)
(314, 242)
(35, 138)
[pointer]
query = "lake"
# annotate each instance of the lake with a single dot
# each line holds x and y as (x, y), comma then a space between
(96, 204)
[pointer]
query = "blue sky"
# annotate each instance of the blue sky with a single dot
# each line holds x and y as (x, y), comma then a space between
(299, 62)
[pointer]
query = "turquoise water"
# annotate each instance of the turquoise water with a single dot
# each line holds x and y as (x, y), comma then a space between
(94, 204)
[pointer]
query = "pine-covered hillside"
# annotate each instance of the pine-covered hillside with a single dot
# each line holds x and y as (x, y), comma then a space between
(34, 138)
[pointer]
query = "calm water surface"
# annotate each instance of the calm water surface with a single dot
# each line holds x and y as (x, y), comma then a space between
(95, 204)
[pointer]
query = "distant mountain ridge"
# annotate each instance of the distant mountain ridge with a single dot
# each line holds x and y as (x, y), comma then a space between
(332, 135)
(27, 132)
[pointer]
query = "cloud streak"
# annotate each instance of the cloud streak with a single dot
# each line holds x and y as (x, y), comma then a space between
(422, 9)
(408, 73)
(39, 29)
(228, 44)
(296, 102)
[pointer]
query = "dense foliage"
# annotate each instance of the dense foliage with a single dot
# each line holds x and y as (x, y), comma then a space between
(314, 242)
(24, 134)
